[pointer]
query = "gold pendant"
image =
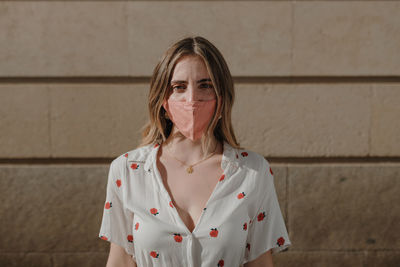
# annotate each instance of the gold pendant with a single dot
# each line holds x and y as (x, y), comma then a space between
(189, 169)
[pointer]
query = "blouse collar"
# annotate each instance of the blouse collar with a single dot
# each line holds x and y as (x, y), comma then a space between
(229, 156)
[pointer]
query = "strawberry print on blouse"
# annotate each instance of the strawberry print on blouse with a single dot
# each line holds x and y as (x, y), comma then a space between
(171, 204)
(178, 237)
(134, 166)
(241, 195)
(154, 211)
(103, 237)
(130, 238)
(222, 178)
(270, 170)
(118, 182)
(126, 155)
(244, 154)
(156, 145)
(136, 226)
(108, 205)
(248, 246)
(280, 241)
(154, 254)
(245, 226)
(220, 263)
(261, 216)
(214, 232)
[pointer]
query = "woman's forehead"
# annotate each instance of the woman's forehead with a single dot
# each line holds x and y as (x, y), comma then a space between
(190, 65)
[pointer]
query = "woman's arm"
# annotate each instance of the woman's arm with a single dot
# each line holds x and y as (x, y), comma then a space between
(265, 260)
(119, 258)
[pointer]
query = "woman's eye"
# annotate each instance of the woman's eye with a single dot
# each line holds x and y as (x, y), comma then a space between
(208, 85)
(181, 87)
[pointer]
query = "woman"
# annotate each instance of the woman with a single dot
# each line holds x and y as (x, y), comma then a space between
(189, 195)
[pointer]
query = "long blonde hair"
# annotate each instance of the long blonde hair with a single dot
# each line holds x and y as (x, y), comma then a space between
(158, 128)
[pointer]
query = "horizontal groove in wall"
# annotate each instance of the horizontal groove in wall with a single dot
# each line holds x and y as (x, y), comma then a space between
(237, 79)
(273, 160)
(207, 0)
(285, 250)
(333, 160)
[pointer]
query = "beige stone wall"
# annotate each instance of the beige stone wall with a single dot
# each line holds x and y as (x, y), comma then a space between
(320, 80)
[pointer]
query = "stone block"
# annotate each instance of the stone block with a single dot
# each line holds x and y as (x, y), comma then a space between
(382, 258)
(344, 207)
(97, 120)
(84, 259)
(15, 259)
(63, 38)
(320, 258)
(346, 38)
(385, 120)
(24, 120)
(254, 37)
(303, 120)
(53, 208)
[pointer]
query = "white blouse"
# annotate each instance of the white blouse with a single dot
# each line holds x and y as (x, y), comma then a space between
(241, 220)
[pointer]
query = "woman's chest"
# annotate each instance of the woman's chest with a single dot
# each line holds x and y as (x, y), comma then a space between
(190, 192)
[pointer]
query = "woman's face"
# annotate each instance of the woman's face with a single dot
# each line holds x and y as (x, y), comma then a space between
(191, 81)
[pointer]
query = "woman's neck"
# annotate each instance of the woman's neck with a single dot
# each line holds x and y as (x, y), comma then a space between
(188, 150)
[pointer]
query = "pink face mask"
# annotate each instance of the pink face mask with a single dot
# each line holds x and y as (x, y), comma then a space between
(191, 118)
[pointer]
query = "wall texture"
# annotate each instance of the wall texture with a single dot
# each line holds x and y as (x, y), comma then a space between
(320, 80)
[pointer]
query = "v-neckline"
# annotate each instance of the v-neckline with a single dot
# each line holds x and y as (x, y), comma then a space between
(166, 193)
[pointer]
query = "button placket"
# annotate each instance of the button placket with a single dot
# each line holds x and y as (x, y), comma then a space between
(190, 249)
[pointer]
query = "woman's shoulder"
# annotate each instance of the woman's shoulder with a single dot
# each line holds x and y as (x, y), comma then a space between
(138, 154)
(251, 159)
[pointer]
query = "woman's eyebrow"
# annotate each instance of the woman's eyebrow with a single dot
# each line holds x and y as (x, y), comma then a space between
(199, 81)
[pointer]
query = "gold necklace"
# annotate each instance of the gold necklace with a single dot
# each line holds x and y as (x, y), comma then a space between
(189, 168)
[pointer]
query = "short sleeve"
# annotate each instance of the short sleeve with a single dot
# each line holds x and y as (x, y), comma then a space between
(117, 222)
(267, 229)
